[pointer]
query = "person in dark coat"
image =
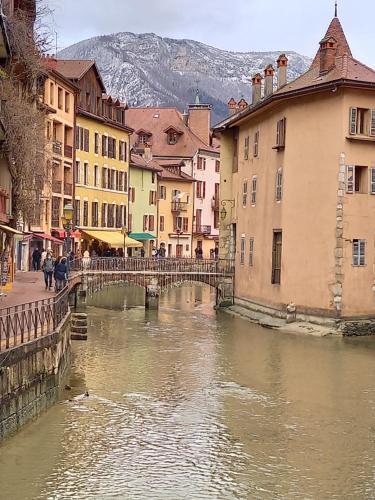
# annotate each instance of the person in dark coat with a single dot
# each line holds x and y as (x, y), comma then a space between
(61, 274)
(36, 256)
(48, 267)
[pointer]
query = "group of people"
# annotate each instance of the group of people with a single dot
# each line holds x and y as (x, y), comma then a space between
(57, 269)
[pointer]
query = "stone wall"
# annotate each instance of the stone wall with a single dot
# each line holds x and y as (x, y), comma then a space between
(30, 377)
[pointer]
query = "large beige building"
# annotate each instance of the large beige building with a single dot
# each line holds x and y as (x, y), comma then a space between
(298, 187)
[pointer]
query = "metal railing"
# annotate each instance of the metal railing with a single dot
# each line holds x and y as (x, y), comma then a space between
(201, 229)
(179, 206)
(57, 147)
(23, 323)
(175, 265)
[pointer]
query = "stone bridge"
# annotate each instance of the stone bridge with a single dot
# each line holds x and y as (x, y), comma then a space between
(155, 275)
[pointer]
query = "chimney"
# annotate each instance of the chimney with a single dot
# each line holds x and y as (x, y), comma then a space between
(199, 121)
(242, 104)
(232, 107)
(328, 50)
(147, 155)
(185, 117)
(282, 66)
(268, 76)
(257, 88)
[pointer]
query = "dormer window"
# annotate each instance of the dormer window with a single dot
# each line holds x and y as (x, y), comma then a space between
(142, 138)
(172, 137)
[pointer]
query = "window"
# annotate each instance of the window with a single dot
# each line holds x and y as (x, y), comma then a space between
(152, 198)
(104, 178)
(153, 177)
(280, 134)
(217, 166)
(125, 181)
(67, 102)
(372, 180)
(123, 215)
(161, 223)
(357, 179)
(104, 215)
(256, 144)
(185, 225)
(119, 211)
(77, 212)
(82, 139)
(251, 252)
(59, 98)
(359, 248)
(77, 172)
(132, 194)
(122, 150)
(85, 213)
(121, 181)
(96, 143)
(111, 215)
(201, 163)
(145, 222)
(279, 184)
(142, 138)
(244, 193)
(151, 223)
(96, 175)
(86, 140)
(242, 249)
(88, 101)
(276, 257)
(362, 122)
(254, 190)
(51, 93)
(201, 189)
(246, 148)
(86, 174)
(94, 214)
(162, 193)
(104, 145)
(172, 137)
(130, 222)
(216, 219)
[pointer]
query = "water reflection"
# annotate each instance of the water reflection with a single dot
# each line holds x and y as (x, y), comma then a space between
(188, 403)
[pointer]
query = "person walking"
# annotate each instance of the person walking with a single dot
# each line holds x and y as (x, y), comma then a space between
(61, 274)
(48, 268)
(162, 250)
(36, 256)
(42, 257)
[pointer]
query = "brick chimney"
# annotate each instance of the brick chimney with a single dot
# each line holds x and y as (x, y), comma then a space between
(242, 104)
(268, 76)
(199, 121)
(328, 50)
(232, 107)
(282, 66)
(257, 88)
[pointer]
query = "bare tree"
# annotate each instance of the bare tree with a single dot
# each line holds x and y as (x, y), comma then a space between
(23, 114)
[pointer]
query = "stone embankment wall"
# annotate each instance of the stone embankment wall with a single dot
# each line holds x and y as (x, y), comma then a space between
(30, 377)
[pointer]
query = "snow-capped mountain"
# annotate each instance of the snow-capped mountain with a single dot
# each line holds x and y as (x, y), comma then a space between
(148, 70)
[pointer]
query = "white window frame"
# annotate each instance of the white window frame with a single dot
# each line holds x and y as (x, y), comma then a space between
(246, 148)
(242, 249)
(256, 144)
(251, 252)
(244, 193)
(372, 180)
(254, 183)
(279, 185)
(350, 179)
(359, 253)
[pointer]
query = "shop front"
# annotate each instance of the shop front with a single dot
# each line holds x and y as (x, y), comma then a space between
(9, 238)
(101, 243)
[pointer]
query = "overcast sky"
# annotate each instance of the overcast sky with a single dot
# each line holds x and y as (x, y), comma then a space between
(238, 25)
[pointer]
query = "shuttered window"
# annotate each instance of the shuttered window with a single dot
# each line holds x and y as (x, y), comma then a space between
(161, 223)
(151, 223)
(104, 215)
(276, 257)
(279, 184)
(254, 190)
(85, 213)
(359, 250)
(353, 121)
(280, 134)
(145, 222)
(256, 144)
(242, 250)
(96, 143)
(246, 148)
(372, 123)
(350, 179)
(251, 252)
(372, 180)
(244, 193)
(86, 140)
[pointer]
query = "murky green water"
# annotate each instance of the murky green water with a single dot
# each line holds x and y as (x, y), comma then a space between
(187, 404)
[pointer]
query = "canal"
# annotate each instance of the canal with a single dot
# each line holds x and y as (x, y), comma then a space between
(187, 403)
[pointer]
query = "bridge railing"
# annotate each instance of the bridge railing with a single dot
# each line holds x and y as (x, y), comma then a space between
(179, 265)
(23, 323)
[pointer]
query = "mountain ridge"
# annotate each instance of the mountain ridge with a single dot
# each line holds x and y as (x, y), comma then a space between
(149, 70)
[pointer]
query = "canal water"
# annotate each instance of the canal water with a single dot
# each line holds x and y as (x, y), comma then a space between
(187, 403)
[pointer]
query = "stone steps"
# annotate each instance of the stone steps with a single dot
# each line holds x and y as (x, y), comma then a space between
(78, 326)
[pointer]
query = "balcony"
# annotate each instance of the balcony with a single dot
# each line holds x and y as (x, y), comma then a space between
(68, 151)
(215, 203)
(57, 148)
(179, 206)
(56, 186)
(200, 229)
(68, 189)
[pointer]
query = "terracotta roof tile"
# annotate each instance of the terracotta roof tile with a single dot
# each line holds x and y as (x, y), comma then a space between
(336, 31)
(76, 69)
(159, 120)
(139, 161)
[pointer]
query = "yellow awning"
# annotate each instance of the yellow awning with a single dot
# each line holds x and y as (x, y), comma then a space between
(9, 230)
(113, 238)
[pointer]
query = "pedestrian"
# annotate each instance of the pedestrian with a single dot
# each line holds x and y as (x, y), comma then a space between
(48, 268)
(36, 256)
(216, 252)
(43, 256)
(162, 251)
(154, 252)
(212, 254)
(198, 253)
(142, 252)
(61, 274)
(86, 259)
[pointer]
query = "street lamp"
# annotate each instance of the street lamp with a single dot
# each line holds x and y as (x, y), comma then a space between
(66, 220)
(124, 231)
(223, 211)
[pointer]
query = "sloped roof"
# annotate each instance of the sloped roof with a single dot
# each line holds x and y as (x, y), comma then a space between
(171, 176)
(346, 70)
(76, 69)
(157, 121)
(140, 162)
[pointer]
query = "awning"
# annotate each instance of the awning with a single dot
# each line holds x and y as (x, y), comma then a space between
(8, 229)
(44, 236)
(113, 238)
(75, 234)
(60, 232)
(142, 236)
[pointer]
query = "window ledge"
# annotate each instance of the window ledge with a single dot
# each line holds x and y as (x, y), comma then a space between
(279, 148)
(363, 138)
